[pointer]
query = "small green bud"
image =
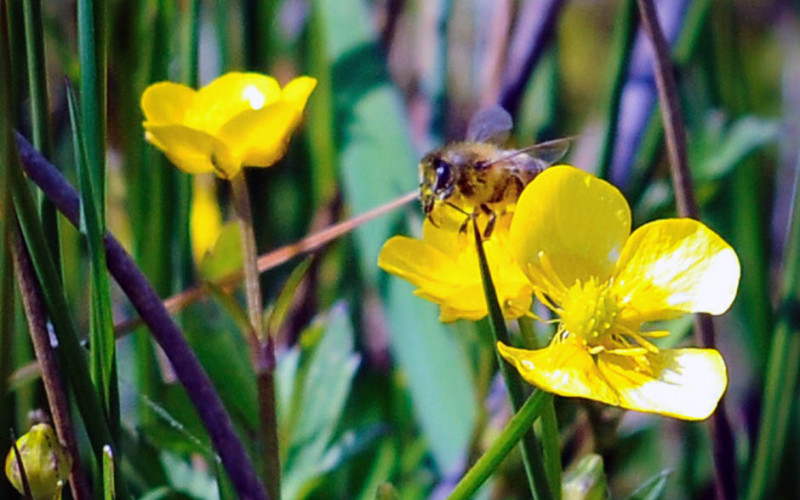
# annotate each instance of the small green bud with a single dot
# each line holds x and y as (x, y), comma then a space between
(47, 463)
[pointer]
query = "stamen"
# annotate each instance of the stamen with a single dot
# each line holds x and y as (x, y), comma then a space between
(658, 334)
(632, 351)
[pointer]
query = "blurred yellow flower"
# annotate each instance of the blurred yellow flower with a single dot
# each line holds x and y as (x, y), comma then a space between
(47, 463)
(571, 236)
(205, 220)
(444, 267)
(239, 119)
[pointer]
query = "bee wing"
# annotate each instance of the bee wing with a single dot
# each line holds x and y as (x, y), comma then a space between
(490, 125)
(547, 152)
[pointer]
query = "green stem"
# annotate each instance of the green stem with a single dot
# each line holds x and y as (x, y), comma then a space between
(241, 202)
(518, 426)
(531, 449)
(547, 426)
(262, 348)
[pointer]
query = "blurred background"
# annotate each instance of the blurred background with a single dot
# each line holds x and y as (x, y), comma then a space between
(372, 388)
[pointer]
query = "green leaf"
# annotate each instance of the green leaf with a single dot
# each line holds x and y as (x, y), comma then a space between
(108, 473)
(226, 256)
(190, 480)
(329, 372)
(376, 158)
(280, 309)
(720, 146)
(437, 372)
(221, 349)
(653, 488)
(586, 480)
(93, 227)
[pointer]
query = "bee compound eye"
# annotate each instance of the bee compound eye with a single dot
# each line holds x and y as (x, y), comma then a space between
(444, 174)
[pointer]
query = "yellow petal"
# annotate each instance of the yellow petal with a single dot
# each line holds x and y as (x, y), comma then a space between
(229, 95)
(205, 220)
(577, 221)
(421, 264)
(563, 368)
(453, 280)
(192, 151)
(298, 90)
(166, 103)
(260, 138)
(675, 266)
(682, 383)
(447, 238)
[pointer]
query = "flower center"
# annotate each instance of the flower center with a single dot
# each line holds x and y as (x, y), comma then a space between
(589, 310)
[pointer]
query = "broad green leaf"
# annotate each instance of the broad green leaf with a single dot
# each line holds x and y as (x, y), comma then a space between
(225, 357)
(437, 373)
(190, 480)
(377, 162)
(328, 378)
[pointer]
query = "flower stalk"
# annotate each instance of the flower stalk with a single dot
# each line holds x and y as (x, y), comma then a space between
(518, 426)
(262, 347)
(531, 448)
(547, 426)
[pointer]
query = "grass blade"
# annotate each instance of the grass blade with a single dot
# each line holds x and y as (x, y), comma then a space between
(783, 368)
(531, 448)
(71, 354)
(102, 326)
(517, 427)
(7, 296)
(92, 55)
(40, 122)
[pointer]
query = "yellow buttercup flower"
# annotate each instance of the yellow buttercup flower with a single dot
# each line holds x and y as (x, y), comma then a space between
(444, 267)
(571, 236)
(239, 119)
(47, 463)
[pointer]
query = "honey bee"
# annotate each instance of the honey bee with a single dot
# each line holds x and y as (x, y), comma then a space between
(479, 176)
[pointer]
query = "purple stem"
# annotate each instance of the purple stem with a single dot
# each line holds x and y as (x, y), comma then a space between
(148, 304)
(534, 29)
(724, 448)
(639, 93)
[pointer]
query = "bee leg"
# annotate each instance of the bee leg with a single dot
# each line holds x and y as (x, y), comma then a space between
(430, 218)
(487, 232)
(463, 228)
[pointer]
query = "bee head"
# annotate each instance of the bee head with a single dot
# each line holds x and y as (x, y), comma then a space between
(437, 180)
(437, 175)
